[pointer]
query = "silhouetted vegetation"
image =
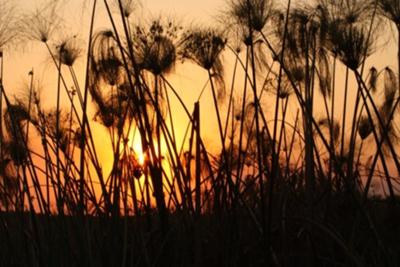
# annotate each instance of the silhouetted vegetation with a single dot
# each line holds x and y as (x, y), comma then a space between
(303, 169)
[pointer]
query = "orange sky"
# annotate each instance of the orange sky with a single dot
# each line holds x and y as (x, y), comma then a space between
(19, 60)
(188, 78)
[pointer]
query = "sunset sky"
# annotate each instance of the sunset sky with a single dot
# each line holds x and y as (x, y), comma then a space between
(188, 78)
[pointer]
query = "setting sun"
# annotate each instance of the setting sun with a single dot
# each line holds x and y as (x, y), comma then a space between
(136, 146)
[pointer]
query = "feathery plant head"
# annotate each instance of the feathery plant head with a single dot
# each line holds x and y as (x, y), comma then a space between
(17, 151)
(391, 10)
(106, 63)
(386, 81)
(303, 24)
(105, 115)
(204, 47)
(8, 22)
(9, 183)
(127, 6)
(246, 17)
(325, 122)
(42, 23)
(235, 38)
(296, 41)
(68, 51)
(59, 134)
(324, 72)
(356, 11)
(305, 31)
(390, 82)
(155, 46)
(107, 80)
(117, 105)
(252, 14)
(373, 79)
(351, 44)
(37, 88)
(14, 118)
(364, 127)
(286, 90)
(108, 111)
(347, 28)
(304, 34)
(347, 12)
(390, 89)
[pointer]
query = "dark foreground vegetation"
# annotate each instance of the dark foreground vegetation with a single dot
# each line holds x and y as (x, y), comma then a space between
(339, 238)
(303, 169)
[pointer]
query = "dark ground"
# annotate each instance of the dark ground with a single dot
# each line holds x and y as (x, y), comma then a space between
(346, 236)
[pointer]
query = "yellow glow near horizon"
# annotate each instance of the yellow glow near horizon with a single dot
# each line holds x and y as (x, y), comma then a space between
(136, 145)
